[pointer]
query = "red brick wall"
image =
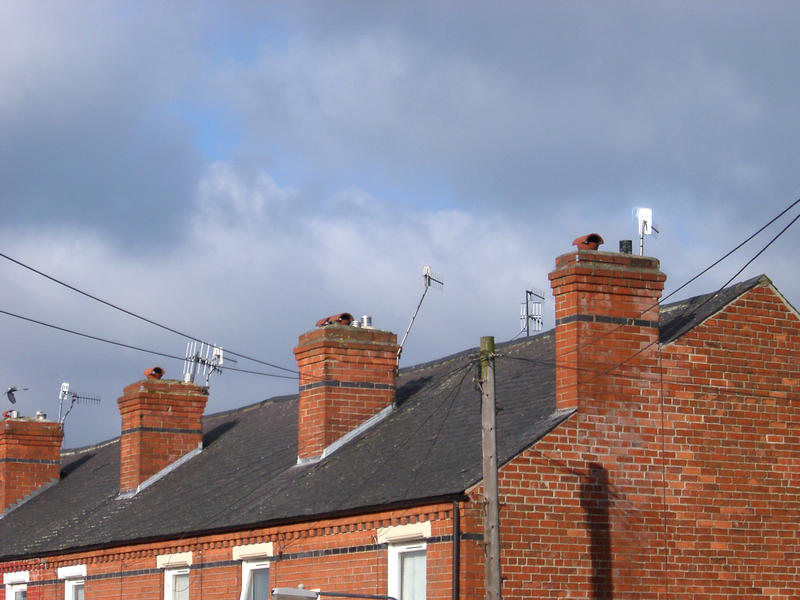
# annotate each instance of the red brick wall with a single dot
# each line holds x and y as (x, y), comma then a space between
(161, 421)
(732, 422)
(347, 375)
(686, 486)
(30, 457)
(334, 555)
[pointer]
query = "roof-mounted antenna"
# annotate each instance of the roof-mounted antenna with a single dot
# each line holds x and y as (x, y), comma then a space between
(428, 279)
(73, 398)
(200, 354)
(530, 312)
(644, 216)
(10, 393)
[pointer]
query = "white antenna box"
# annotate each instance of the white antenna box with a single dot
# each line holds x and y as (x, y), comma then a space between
(644, 219)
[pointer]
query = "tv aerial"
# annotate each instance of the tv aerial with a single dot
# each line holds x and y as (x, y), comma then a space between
(429, 279)
(644, 217)
(73, 398)
(10, 393)
(202, 357)
(530, 311)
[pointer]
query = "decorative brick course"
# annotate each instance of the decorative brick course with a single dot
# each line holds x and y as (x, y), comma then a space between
(338, 554)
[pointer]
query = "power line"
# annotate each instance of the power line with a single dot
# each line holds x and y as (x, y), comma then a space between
(748, 263)
(238, 370)
(295, 372)
(719, 260)
(89, 336)
(129, 346)
(602, 372)
(601, 337)
(710, 296)
(140, 317)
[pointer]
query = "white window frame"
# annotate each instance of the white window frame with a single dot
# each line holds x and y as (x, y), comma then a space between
(253, 557)
(396, 552)
(70, 586)
(169, 580)
(73, 576)
(15, 582)
(248, 566)
(13, 588)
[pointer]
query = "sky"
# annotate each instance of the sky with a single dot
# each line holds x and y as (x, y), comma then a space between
(236, 171)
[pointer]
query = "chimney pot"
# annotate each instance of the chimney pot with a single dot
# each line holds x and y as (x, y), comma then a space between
(590, 241)
(626, 246)
(340, 319)
(154, 373)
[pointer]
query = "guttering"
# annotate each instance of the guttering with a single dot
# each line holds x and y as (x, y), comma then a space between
(456, 549)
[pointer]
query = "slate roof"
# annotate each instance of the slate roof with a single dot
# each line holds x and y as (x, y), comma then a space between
(677, 318)
(427, 450)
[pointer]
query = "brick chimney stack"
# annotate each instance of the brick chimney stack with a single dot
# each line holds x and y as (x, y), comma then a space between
(347, 375)
(30, 458)
(161, 423)
(606, 312)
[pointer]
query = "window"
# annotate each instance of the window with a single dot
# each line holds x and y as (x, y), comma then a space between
(176, 584)
(73, 577)
(17, 591)
(16, 585)
(255, 569)
(176, 574)
(407, 571)
(73, 589)
(255, 580)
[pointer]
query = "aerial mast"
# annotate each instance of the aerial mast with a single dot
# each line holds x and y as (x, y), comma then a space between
(428, 280)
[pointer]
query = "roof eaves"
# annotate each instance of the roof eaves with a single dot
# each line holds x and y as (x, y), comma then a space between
(246, 526)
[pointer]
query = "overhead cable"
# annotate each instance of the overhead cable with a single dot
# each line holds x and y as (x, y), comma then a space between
(601, 337)
(130, 346)
(706, 300)
(140, 317)
(719, 260)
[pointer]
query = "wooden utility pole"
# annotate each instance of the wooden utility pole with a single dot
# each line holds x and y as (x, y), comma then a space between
(491, 508)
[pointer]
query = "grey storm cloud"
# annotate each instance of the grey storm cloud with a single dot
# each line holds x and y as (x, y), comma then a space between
(88, 131)
(237, 171)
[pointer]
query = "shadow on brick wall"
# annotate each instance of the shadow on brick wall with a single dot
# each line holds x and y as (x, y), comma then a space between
(595, 499)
